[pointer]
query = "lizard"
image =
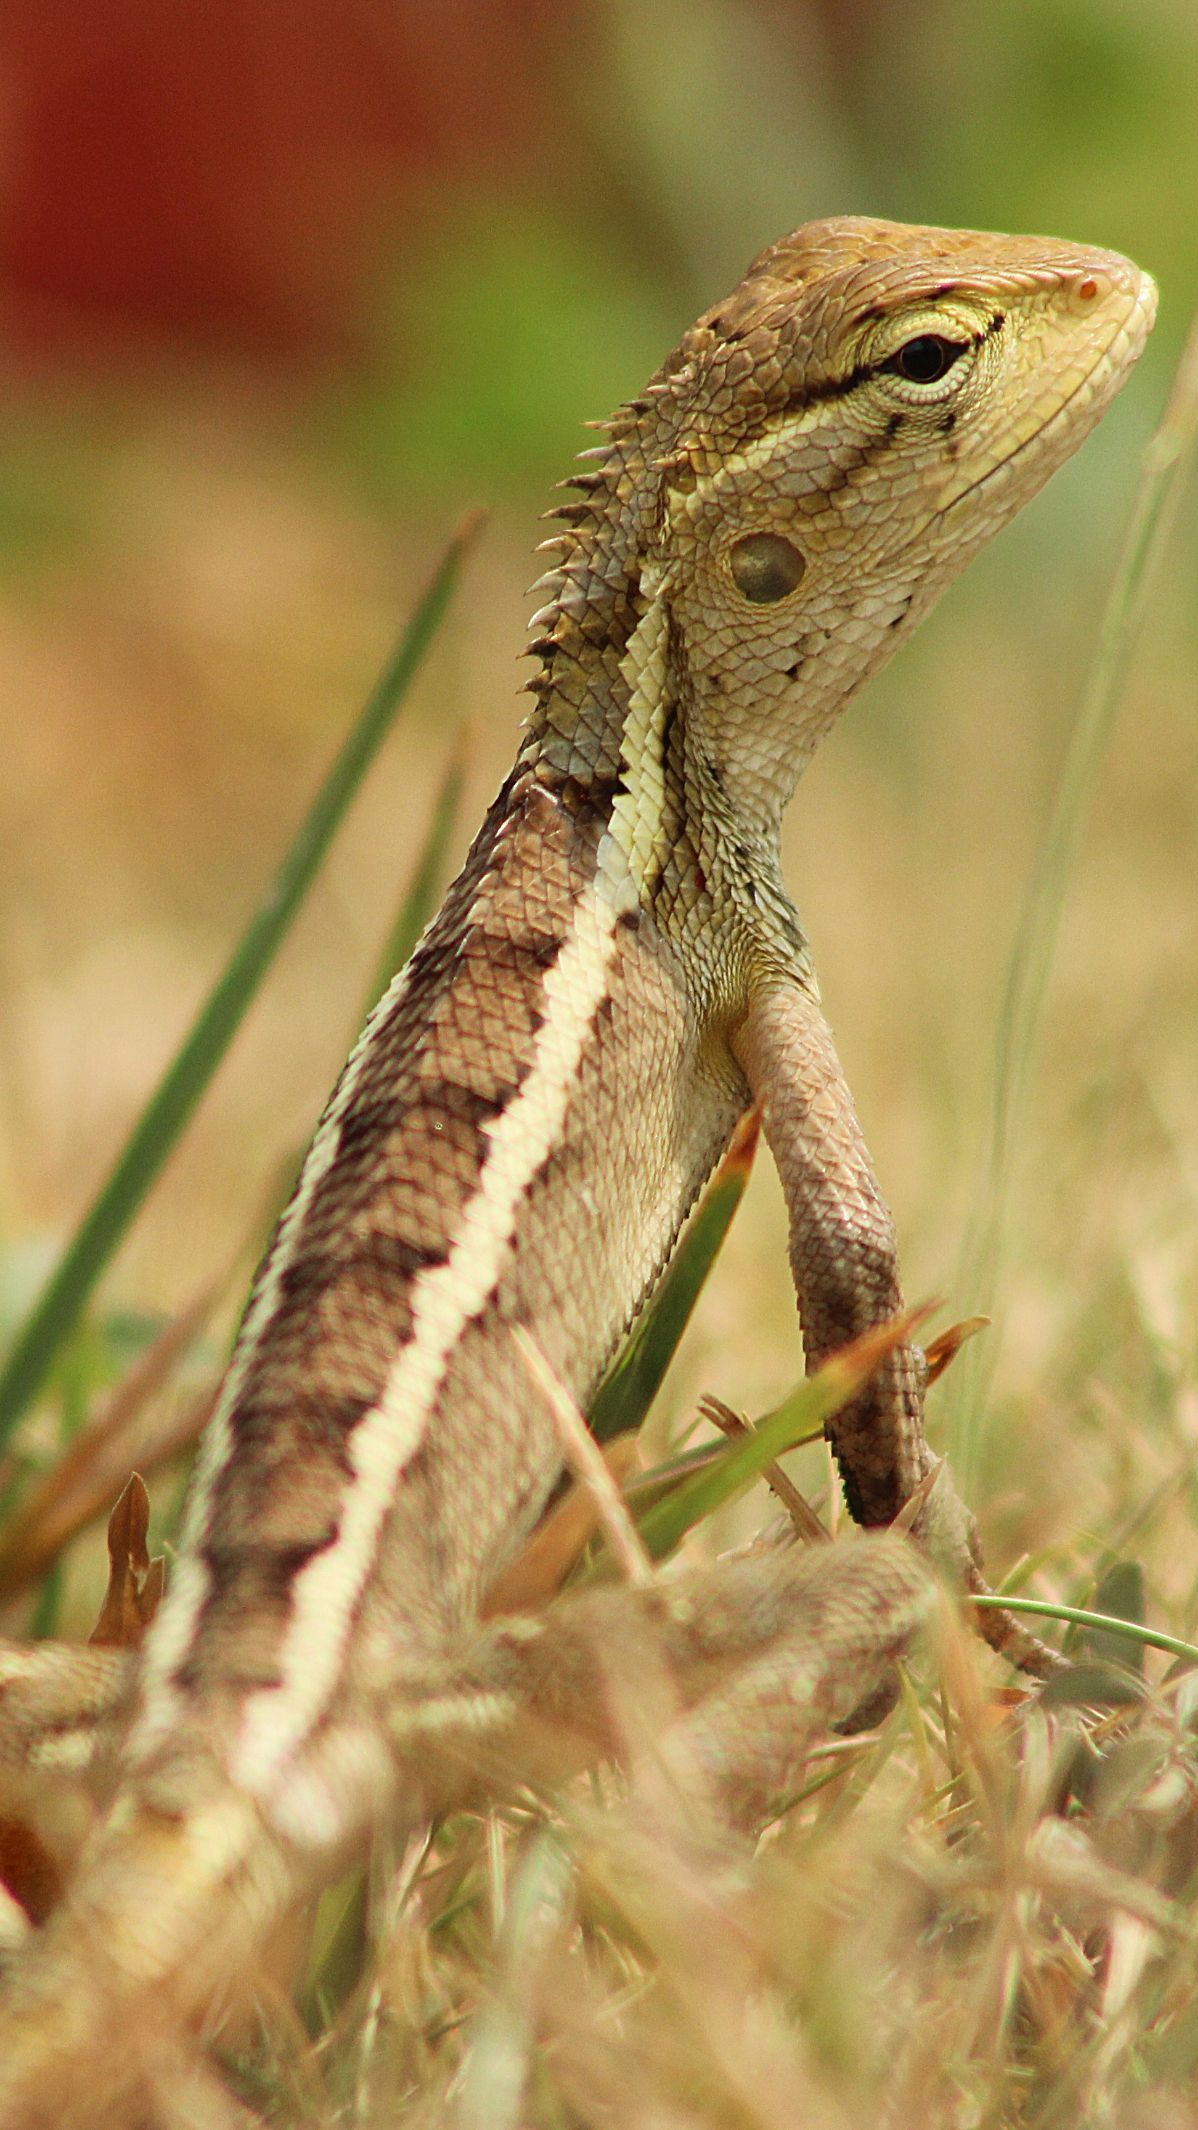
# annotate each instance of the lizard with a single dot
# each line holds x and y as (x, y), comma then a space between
(615, 978)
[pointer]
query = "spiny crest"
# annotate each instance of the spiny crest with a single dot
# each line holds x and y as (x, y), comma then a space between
(596, 567)
(654, 441)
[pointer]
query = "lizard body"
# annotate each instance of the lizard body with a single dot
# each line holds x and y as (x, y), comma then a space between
(615, 977)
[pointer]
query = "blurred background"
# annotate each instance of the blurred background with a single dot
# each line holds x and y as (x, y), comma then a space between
(285, 285)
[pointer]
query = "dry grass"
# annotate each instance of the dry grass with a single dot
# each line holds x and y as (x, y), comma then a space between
(970, 1920)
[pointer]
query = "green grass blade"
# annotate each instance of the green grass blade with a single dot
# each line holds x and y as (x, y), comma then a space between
(643, 1488)
(424, 889)
(58, 1309)
(1026, 986)
(632, 1383)
(665, 1523)
(1105, 1623)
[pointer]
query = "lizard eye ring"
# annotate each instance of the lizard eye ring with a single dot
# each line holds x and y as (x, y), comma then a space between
(926, 359)
(766, 567)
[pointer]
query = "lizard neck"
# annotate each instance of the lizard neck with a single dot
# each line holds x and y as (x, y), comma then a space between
(613, 694)
(626, 686)
(624, 733)
(621, 739)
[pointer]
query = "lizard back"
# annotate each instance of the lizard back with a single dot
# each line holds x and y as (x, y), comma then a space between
(516, 1139)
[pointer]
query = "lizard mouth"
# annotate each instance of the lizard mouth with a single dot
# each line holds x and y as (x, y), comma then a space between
(1136, 323)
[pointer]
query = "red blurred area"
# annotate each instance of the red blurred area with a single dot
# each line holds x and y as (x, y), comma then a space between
(224, 172)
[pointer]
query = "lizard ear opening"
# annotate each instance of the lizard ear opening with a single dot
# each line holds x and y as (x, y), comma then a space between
(766, 567)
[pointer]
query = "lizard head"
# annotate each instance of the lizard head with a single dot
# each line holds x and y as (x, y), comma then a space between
(864, 411)
(823, 452)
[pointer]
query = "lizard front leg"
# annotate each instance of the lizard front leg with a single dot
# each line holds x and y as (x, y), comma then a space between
(844, 1262)
(843, 1255)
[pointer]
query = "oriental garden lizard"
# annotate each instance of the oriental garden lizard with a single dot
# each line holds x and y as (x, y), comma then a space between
(614, 979)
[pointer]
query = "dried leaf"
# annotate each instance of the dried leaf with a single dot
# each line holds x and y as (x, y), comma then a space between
(135, 1582)
(947, 1344)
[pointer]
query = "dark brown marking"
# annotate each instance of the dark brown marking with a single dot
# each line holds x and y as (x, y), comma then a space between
(827, 388)
(468, 1105)
(378, 1257)
(668, 726)
(274, 1567)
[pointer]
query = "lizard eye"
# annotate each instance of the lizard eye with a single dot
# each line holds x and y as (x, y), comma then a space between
(926, 359)
(765, 567)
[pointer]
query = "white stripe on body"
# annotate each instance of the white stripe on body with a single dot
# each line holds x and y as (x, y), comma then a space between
(174, 1629)
(444, 1300)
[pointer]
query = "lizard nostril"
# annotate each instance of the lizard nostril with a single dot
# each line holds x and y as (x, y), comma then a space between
(1084, 291)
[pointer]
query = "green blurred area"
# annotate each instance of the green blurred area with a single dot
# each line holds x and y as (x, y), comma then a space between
(700, 131)
(509, 304)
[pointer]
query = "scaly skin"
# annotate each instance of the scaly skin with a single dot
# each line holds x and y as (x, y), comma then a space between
(617, 974)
